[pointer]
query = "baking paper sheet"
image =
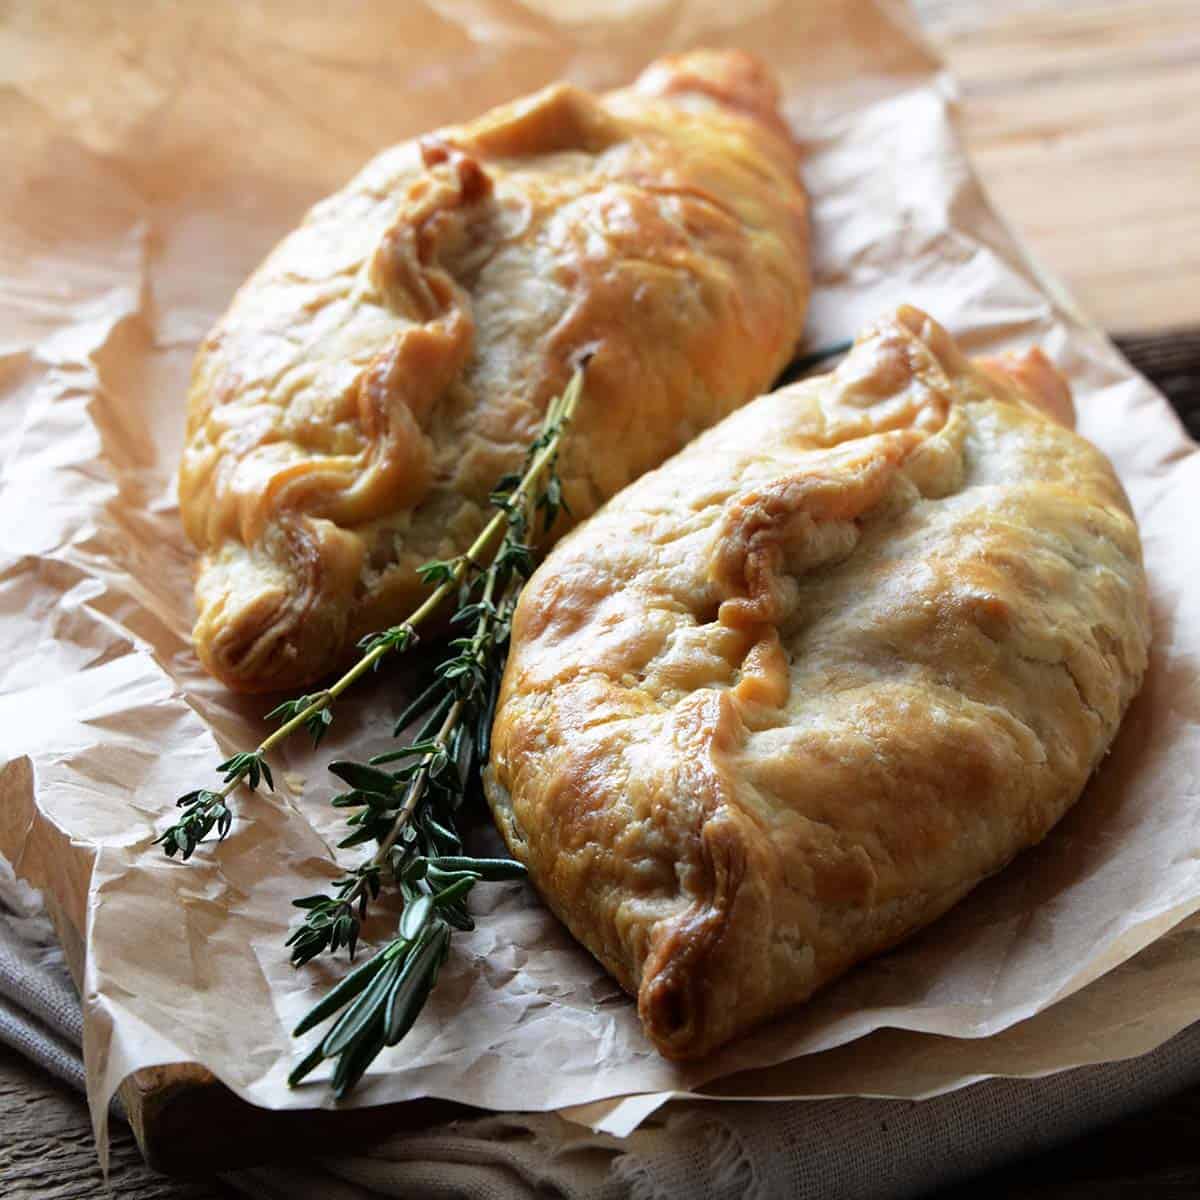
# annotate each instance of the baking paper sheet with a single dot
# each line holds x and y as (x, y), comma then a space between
(153, 154)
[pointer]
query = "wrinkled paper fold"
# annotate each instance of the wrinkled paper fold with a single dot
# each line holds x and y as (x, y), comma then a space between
(154, 156)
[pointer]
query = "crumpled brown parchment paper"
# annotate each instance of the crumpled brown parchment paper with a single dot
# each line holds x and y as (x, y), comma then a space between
(154, 153)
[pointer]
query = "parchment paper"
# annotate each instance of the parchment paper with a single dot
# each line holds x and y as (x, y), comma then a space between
(154, 153)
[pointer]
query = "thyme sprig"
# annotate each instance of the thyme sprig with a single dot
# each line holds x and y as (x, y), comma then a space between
(410, 811)
(206, 809)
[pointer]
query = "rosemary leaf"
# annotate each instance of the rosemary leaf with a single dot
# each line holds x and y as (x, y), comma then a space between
(363, 1011)
(364, 778)
(306, 1066)
(416, 917)
(343, 993)
(353, 1065)
(409, 813)
(408, 997)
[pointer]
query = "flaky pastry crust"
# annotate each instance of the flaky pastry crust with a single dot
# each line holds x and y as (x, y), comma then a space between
(394, 356)
(789, 697)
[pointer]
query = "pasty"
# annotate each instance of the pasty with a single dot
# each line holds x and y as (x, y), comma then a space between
(786, 699)
(393, 357)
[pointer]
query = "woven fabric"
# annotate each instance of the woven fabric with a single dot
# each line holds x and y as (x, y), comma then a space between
(39, 1009)
(811, 1150)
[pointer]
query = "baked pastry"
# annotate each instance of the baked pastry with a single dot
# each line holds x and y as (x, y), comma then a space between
(786, 699)
(394, 356)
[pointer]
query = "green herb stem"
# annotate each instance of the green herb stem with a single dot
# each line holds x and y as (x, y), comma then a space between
(207, 808)
(410, 813)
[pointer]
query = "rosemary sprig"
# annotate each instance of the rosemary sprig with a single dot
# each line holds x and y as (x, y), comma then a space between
(410, 812)
(205, 808)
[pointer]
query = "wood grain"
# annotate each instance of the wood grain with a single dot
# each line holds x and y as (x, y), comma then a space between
(1172, 361)
(46, 1147)
(1083, 119)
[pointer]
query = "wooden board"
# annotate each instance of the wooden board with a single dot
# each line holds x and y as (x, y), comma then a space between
(46, 1147)
(1084, 119)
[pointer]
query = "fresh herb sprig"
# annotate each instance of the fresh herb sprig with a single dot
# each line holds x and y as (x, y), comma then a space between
(410, 812)
(206, 809)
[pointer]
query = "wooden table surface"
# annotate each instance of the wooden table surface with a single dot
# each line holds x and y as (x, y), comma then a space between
(1083, 117)
(1084, 120)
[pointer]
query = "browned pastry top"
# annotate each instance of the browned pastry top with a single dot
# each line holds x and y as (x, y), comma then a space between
(786, 699)
(394, 355)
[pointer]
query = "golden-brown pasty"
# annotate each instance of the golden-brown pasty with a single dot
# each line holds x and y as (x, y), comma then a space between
(786, 699)
(394, 356)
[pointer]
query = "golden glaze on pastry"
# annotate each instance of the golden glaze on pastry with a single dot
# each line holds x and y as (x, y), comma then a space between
(393, 357)
(786, 699)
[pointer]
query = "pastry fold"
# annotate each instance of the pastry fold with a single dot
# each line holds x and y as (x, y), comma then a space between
(786, 699)
(393, 357)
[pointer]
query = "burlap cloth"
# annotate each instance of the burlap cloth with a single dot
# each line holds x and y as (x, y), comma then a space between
(867, 1149)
